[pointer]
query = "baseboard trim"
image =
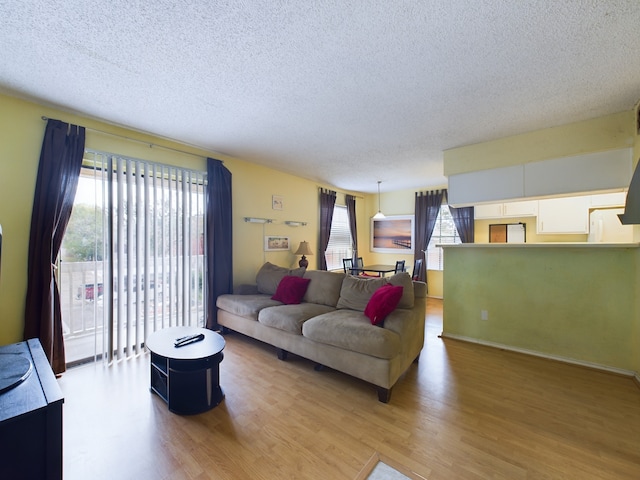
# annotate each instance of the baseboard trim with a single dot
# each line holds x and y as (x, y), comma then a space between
(595, 366)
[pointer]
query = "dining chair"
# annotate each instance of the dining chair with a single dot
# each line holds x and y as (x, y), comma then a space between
(399, 266)
(417, 269)
(347, 264)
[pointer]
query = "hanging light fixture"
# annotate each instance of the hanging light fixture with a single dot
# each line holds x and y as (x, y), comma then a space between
(379, 214)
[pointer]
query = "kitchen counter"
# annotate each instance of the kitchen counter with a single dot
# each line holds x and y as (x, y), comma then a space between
(542, 245)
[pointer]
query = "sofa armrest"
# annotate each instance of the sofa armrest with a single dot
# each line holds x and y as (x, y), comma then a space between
(419, 289)
(246, 289)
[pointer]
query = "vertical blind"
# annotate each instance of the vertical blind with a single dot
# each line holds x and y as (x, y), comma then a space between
(151, 259)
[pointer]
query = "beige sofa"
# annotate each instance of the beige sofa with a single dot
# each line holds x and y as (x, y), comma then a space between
(329, 326)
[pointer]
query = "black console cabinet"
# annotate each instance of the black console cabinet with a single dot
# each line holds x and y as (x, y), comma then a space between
(30, 416)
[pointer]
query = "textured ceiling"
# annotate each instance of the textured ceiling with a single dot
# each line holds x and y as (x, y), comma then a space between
(343, 93)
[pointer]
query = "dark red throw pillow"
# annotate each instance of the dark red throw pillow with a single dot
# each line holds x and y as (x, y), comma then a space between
(383, 301)
(291, 289)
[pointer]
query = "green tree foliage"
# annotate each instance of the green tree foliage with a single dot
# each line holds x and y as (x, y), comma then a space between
(83, 238)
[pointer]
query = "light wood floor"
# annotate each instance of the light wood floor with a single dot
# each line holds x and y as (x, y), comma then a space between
(463, 412)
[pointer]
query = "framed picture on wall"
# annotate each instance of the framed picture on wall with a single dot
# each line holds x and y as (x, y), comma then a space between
(277, 202)
(393, 234)
(273, 243)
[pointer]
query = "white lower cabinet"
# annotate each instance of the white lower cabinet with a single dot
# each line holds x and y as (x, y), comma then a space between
(564, 215)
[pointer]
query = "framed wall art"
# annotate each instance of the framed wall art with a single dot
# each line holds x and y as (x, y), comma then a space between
(277, 202)
(393, 234)
(273, 243)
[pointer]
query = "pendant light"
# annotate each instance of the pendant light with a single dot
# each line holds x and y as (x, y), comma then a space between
(379, 214)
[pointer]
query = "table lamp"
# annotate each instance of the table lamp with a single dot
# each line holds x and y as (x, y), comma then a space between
(303, 250)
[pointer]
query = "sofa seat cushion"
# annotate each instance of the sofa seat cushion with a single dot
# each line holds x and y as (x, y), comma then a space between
(291, 317)
(245, 305)
(352, 330)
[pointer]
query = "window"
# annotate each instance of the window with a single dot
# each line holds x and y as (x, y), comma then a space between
(132, 259)
(340, 243)
(443, 232)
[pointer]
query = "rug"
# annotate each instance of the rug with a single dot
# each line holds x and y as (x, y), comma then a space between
(380, 467)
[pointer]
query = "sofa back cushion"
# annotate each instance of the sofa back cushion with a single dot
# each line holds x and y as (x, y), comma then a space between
(357, 291)
(269, 276)
(324, 288)
(404, 280)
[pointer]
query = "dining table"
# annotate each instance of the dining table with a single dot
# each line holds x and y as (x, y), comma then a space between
(376, 268)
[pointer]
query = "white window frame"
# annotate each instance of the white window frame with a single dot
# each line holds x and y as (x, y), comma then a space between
(340, 242)
(441, 235)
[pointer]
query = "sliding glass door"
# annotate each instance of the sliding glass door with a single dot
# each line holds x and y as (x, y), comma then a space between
(132, 260)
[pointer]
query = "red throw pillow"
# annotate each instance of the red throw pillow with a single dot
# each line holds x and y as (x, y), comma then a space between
(291, 289)
(383, 301)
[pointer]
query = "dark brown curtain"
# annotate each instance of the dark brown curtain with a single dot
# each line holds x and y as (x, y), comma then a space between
(219, 234)
(350, 200)
(56, 185)
(463, 219)
(327, 202)
(427, 207)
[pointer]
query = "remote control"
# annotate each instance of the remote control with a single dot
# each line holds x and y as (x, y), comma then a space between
(182, 341)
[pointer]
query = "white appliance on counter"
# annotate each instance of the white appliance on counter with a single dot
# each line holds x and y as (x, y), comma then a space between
(605, 227)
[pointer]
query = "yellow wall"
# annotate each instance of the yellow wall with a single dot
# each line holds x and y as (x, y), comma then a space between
(253, 186)
(595, 135)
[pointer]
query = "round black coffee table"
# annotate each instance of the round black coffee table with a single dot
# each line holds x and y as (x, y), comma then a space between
(187, 377)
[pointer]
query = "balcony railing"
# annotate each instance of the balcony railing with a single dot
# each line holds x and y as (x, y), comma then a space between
(82, 295)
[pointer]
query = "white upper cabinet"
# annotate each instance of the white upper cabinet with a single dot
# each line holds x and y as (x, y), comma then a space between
(489, 210)
(617, 199)
(564, 215)
(527, 208)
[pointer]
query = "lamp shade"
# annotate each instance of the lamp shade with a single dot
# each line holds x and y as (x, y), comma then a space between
(304, 249)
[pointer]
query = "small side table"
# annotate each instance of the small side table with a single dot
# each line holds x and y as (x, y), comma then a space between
(188, 377)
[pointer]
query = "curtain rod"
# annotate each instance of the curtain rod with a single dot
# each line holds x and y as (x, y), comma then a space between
(339, 191)
(151, 145)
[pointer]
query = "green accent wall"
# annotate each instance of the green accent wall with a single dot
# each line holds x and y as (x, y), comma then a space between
(573, 302)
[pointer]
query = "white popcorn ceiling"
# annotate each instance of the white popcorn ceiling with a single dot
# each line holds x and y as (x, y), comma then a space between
(340, 92)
